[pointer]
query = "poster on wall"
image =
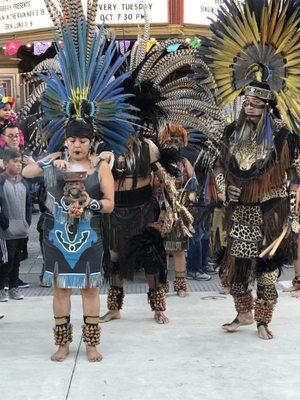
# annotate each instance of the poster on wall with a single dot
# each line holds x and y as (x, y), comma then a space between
(18, 15)
(199, 12)
(7, 85)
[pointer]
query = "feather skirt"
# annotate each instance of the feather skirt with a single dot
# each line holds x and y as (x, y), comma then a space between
(125, 223)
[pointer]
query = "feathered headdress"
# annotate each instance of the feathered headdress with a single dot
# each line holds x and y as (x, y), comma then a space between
(164, 92)
(257, 41)
(81, 82)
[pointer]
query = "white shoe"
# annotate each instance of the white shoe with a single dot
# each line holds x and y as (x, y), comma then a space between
(212, 269)
(15, 294)
(202, 277)
(3, 295)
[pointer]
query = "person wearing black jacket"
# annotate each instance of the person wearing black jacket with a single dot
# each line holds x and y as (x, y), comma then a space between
(15, 219)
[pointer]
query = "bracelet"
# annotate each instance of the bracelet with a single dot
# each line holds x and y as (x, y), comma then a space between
(296, 165)
(45, 163)
(95, 205)
(293, 220)
(293, 202)
(220, 184)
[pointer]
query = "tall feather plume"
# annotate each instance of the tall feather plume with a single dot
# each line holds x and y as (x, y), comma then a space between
(55, 16)
(91, 22)
(141, 51)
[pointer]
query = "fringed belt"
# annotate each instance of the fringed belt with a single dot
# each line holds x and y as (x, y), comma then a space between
(133, 198)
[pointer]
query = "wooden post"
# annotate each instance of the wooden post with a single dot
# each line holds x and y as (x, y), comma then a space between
(176, 12)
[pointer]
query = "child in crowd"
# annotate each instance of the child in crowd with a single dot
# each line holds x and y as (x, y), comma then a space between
(10, 139)
(15, 219)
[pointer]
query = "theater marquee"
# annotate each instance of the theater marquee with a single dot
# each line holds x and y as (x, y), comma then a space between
(199, 12)
(17, 16)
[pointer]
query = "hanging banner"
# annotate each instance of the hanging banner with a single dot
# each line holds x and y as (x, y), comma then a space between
(199, 12)
(17, 15)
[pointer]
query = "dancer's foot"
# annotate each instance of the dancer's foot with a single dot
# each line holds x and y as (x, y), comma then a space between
(93, 354)
(224, 290)
(296, 294)
(61, 353)
(264, 332)
(290, 289)
(110, 315)
(160, 317)
(182, 293)
(242, 319)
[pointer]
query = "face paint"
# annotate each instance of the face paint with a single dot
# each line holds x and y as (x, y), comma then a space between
(248, 103)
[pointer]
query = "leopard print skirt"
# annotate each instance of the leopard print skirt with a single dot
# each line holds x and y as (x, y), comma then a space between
(246, 233)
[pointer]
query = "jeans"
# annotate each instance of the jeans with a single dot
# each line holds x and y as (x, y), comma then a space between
(10, 269)
(198, 250)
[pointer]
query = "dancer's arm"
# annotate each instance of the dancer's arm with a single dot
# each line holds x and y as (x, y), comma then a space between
(34, 169)
(108, 188)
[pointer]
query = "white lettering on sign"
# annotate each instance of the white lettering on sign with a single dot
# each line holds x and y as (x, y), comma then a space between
(199, 12)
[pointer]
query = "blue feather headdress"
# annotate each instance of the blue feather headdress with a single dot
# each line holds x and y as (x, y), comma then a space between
(87, 83)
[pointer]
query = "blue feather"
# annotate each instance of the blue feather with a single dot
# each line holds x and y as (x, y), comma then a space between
(98, 72)
(111, 73)
(111, 86)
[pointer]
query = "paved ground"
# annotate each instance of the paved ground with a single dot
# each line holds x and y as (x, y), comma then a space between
(191, 358)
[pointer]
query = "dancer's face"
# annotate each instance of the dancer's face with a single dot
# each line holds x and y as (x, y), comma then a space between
(174, 142)
(254, 107)
(79, 148)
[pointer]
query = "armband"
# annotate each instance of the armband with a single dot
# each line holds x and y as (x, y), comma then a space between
(293, 217)
(107, 156)
(95, 205)
(296, 165)
(220, 184)
(154, 166)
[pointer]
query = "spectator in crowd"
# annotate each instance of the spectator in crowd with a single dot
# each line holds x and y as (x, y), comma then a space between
(15, 219)
(7, 116)
(3, 259)
(198, 249)
(10, 139)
